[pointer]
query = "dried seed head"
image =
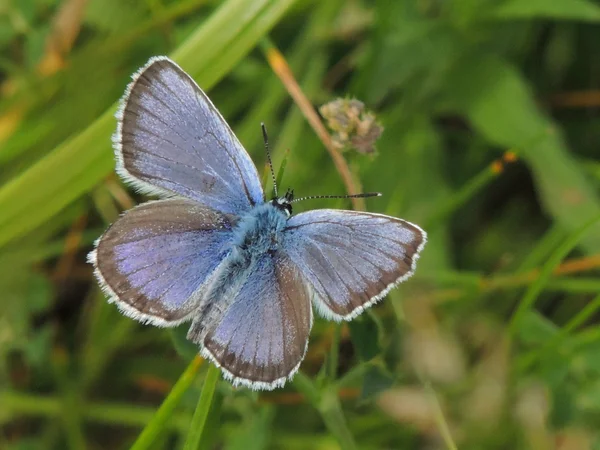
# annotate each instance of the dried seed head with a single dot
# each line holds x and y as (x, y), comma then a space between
(352, 125)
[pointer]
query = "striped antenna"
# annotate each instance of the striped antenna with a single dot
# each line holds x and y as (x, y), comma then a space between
(363, 195)
(266, 139)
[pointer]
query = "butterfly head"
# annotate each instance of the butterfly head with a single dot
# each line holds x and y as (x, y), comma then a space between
(284, 203)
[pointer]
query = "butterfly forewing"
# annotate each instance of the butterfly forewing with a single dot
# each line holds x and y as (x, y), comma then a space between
(172, 140)
(351, 259)
(156, 258)
(259, 336)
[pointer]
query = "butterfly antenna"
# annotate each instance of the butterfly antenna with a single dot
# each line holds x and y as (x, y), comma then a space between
(363, 195)
(266, 139)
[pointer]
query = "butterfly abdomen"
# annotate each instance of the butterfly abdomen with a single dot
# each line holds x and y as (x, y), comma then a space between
(257, 233)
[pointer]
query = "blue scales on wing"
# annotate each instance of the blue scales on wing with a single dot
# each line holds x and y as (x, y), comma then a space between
(257, 329)
(351, 259)
(171, 140)
(156, 260)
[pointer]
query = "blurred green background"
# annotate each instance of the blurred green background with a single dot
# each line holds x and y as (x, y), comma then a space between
(494, 343)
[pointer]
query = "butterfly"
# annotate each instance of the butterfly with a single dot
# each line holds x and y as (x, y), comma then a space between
(214, 252)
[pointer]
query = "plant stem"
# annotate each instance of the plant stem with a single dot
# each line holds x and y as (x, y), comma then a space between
(285, 74)
(439, 417)
(475, 281)
(581, 317)
(334, 352)
(156, 426)
(328, 404)
(307, 388)
(333, 416)
(460, 197)
(202, 409)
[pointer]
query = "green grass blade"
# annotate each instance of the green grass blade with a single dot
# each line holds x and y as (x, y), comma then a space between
(328, 404)
(460, 198)
(580, 318)
(202, 409)
(333, 416)
(281, 171)
(75, 166)
(20, 404)
(557, 9)
(159, 422)
(536, 287)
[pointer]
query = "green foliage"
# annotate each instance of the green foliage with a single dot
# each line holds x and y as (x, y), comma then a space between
(562, 10)
(493, 344)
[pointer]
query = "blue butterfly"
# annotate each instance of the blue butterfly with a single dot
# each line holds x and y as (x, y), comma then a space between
(214, 252)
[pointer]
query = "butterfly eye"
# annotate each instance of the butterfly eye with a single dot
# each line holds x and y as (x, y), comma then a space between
(288, 208)
(283, 204)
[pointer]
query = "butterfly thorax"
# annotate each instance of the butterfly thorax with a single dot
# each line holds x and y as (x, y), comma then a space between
(260, 230)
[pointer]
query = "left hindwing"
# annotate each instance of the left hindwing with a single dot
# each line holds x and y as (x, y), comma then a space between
(351, 259)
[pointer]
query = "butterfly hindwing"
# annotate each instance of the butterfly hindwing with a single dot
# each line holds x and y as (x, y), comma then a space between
(155, 260)
(258, 334)
(170, 140)
(351, 259)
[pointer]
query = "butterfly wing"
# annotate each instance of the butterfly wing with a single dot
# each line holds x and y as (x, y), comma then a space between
(155, 260)
(258, 335)
(170, 140)
(352, 259)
